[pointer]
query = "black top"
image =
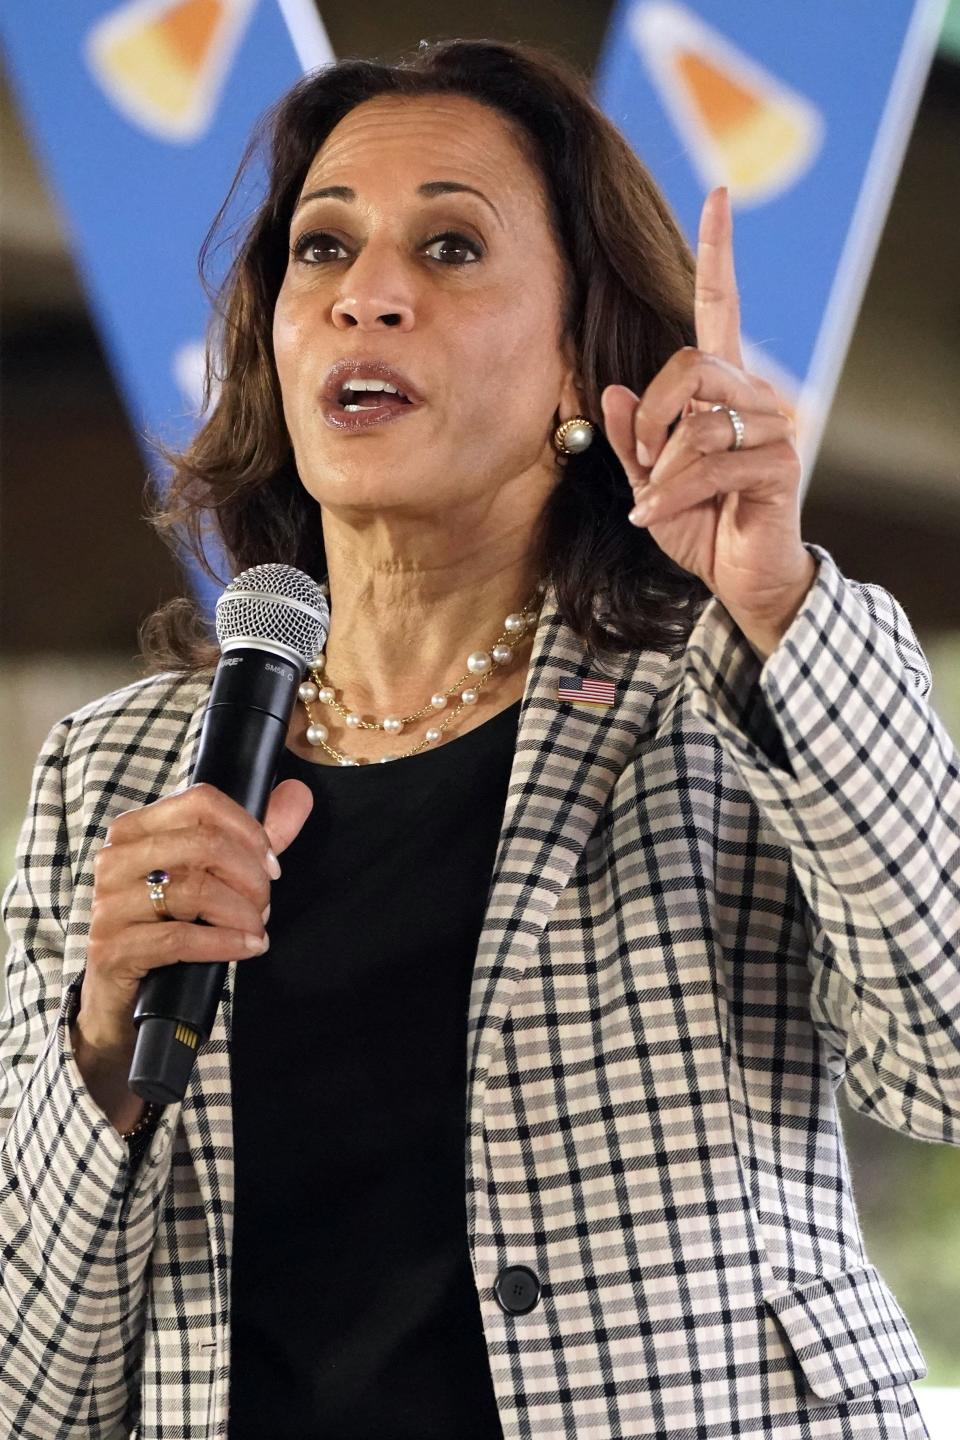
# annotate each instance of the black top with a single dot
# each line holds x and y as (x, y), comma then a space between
(355, 1312)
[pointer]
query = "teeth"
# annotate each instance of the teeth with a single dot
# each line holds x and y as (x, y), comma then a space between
(359, 382)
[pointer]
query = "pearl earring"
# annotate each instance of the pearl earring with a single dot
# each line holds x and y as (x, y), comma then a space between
(574, 435)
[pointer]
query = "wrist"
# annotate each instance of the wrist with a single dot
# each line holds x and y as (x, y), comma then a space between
(105, 1037)
(96, 1052)
(104, 1066)
(764, 631)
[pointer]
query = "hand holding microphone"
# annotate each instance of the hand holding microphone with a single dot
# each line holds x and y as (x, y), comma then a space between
(217, 857)
(143, 993)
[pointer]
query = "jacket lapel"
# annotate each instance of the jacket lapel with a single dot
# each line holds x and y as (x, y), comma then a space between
(566, 763)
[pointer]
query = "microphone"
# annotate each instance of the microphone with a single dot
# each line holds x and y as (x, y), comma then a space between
(272, 622)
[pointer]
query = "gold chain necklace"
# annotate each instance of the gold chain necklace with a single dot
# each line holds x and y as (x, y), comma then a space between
(481, 665)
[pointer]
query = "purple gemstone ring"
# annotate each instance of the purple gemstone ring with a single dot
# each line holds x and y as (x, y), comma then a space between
(157, 882)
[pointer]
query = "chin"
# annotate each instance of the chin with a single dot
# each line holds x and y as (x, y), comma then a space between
(372, 494)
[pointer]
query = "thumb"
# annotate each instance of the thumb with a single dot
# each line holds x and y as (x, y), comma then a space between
(619, 405)
(289, 806)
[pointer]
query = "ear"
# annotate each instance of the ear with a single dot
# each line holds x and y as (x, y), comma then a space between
(571, 400)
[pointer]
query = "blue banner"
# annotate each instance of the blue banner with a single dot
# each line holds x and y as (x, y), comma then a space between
(804, 113)
(140, 113)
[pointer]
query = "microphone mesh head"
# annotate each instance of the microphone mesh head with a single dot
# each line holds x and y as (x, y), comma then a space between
(274, 606)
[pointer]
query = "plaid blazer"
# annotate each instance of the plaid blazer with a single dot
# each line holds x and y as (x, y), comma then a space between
(711, 904)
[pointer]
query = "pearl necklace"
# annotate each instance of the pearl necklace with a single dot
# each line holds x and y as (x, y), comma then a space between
(481, 664)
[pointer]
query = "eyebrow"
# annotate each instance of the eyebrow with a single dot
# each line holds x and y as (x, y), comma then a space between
(430, 188)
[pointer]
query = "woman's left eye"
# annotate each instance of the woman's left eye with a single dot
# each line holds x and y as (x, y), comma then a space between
(453, 249)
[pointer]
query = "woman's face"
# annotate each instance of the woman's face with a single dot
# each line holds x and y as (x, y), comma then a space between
(426, 261)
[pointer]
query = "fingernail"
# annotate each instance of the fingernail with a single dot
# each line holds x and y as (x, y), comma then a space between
(640, 512)
(265, 915)
(273, 866)
(643, 454)
(256, 944)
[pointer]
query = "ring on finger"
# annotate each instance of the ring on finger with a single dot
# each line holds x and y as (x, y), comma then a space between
(157, 882)
(736, 420)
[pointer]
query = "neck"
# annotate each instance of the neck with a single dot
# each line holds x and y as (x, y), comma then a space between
(406, 612)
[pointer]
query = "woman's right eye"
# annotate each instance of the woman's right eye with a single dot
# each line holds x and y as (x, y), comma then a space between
(320, 245)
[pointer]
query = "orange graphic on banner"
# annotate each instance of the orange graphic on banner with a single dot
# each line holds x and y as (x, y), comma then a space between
(743, 127)
(188, 29)
(163, 63)
(721, 101)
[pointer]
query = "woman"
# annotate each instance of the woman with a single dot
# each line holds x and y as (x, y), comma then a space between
(527, 1117)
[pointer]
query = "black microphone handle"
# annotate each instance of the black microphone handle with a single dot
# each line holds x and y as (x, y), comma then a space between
(244, 731)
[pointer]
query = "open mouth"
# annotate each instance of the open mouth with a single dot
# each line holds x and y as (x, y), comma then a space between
(363, 393)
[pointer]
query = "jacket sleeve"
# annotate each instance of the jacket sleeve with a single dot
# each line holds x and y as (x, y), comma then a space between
(841, 752)
(77, 1221)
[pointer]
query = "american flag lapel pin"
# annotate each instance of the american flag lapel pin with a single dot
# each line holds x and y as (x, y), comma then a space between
(586, 692)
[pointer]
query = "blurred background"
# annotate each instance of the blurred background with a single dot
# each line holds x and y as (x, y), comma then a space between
(79, 568)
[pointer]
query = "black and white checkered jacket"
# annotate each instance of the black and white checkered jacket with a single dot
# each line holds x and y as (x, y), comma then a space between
(711, 904)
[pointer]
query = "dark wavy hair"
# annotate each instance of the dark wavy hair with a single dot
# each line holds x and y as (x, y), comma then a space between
(629, 306)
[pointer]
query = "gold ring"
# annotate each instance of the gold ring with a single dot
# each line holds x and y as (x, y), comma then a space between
(157, 882)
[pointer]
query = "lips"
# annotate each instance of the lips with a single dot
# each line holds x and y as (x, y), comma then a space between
(382, 410)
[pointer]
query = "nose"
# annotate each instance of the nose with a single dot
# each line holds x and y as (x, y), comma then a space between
(375, 295)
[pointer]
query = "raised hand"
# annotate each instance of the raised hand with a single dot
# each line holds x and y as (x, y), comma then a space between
(732, 517)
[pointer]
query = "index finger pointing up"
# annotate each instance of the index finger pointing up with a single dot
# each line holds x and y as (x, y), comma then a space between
(717, 304)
